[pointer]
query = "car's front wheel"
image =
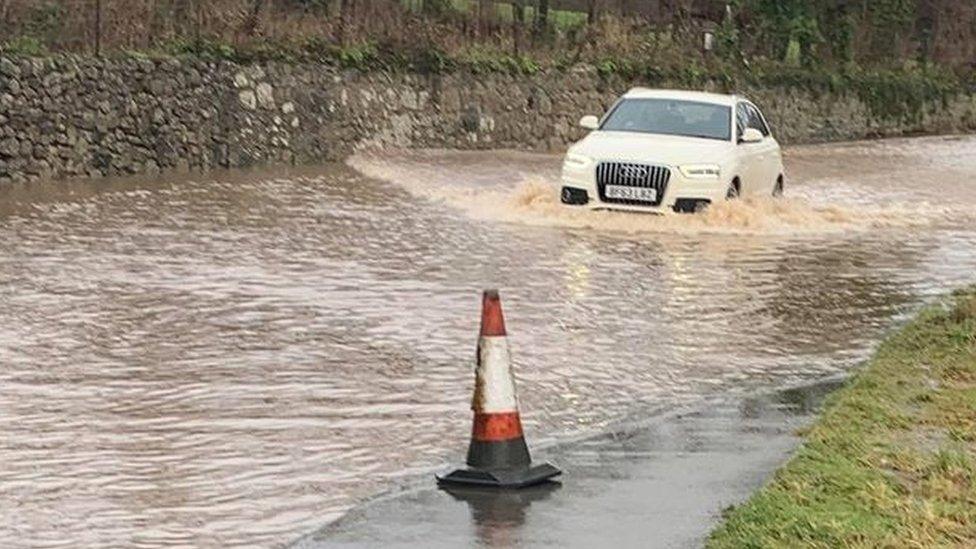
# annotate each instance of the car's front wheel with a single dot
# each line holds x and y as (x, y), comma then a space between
(778, 188)
(734, 191)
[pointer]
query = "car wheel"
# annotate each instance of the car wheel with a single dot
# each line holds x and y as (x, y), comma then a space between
(733, 192)
(778, 188)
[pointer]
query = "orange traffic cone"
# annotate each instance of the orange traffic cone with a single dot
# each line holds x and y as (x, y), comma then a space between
(498, 455)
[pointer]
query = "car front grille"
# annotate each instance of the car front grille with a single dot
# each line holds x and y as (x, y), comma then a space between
(632, 175)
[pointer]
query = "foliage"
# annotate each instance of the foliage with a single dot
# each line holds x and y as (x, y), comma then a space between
(900, 94)
(790, 27)
(839, 31)
(870, 49)
(827, 33)
(207, 49)
(903, 94)
(42, 19)
(26, 46)
(481, 61)
(728, 43)
(360, 56)
(438, 8)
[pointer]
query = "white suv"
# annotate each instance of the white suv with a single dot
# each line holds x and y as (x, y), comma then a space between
(661, 150)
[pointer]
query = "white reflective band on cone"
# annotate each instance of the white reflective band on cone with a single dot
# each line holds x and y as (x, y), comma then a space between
(494, 376)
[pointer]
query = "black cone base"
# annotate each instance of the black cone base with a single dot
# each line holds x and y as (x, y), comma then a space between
(500, 454)
(501, 478)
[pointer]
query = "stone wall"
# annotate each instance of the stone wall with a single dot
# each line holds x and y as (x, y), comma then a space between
(78, 116)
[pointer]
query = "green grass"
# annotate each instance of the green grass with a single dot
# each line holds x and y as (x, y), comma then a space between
(892, 462)
(24, 46)
(365, 57)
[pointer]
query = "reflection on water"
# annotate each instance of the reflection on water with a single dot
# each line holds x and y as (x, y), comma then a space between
(233, 360)
(804, 400)
(498, 515)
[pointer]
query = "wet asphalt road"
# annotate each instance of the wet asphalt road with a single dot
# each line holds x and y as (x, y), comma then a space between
(662, 484)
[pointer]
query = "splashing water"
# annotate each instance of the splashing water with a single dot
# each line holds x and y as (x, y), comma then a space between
(459, 180)
(533, 199)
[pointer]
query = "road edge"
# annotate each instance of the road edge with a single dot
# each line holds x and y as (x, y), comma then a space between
(890, 461)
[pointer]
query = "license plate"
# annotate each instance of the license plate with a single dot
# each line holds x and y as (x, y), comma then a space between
(643, 194)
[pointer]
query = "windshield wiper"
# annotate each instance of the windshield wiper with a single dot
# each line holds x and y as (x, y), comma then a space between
(703, 136)
(694, 135)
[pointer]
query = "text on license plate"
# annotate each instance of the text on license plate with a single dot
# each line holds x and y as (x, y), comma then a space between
(643, 194)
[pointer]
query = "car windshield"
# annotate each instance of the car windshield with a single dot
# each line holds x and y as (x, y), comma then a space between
(671, 117)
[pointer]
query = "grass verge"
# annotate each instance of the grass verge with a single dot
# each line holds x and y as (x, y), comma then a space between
(892, 461)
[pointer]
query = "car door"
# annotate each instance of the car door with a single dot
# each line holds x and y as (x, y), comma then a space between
(767, 157)
(748, 153)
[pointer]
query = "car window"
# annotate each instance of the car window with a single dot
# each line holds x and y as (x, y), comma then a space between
(741, 119)
(756, 120)
(670, 117)
(747, 116)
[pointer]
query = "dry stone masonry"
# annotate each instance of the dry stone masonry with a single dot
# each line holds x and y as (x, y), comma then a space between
(71, 116)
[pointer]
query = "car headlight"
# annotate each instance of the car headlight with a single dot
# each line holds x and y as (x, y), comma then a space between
(576, 161)
(701, 171)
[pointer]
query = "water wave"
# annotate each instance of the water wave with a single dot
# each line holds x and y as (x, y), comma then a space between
(530, 196)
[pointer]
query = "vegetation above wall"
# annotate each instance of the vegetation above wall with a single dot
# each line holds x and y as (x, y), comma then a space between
(831, 32)
(896, 55)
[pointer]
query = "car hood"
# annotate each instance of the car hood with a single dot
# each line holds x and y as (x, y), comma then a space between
(653, 148)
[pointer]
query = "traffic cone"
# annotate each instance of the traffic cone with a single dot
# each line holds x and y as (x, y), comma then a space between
(498, 455)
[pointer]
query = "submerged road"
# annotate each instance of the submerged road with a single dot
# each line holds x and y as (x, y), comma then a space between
(237, 359)
(657, 485)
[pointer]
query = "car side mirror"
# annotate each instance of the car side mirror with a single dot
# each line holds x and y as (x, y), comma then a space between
(590, 122)
(751, 135)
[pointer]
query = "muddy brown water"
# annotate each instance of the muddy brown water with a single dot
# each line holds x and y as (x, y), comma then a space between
(237, 358)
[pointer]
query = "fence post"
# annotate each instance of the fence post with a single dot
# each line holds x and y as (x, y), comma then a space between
(197, 37)
(541, 16)
(98, 28)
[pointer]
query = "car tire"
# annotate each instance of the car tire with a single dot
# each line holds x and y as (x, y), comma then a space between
(778, 188)
(734, 191)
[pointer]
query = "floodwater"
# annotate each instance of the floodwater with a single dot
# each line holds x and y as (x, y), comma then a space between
(236, 359)
(658, 484)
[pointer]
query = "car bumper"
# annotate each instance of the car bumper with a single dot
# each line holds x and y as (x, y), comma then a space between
(680, 193)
